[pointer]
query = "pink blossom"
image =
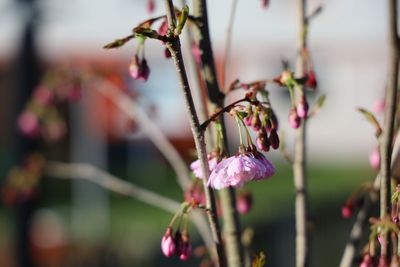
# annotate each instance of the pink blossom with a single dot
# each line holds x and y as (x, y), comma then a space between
(43, 95)
(302, 108)
(167, 243)
(347, 211)
(183, 245)
(294, 119)
(139, 69)
(367, 261)
(195, 166)
(379, 106)
(244, 203)
(375, 159)
(196, 53)
(239, 169)
(28, 123)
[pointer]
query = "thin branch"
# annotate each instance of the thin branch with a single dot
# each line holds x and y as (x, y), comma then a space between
(299, 165)
(198, 135)
(90, 173)
(230, 216)
(362, 215)
(153, 132)
(388, 124)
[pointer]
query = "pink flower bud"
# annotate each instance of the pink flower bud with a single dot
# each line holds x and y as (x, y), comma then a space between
(274, 121)
(150, 6)
(264, 3)
(347, 210)
(167, 53)
(168, 246)
(294, 119)
(196, 53)
(244, 203)
(274, 139)
(256, 122)
(183, 245)
(311, 80)
(302, 108)
(375, 159)
(163, 29)
(43, 95)
(367, 261)
(139, 70)
(28, 124)
(379, 106)
(263, 142)
(247, 120)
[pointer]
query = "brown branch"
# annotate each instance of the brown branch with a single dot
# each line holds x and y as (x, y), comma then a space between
(232, 229)
(299, 164)
(198, 135)
(389, 117)
(362, 215)
(108, 181)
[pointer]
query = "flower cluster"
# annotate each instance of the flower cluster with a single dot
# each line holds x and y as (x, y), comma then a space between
(41, 116)
(176, 244)
(22, 180)
(241, 168)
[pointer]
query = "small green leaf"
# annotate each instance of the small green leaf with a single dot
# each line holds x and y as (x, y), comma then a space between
(371, 118)
(118, 42)
(182, 20)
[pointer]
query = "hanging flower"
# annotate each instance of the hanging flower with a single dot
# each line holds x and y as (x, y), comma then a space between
(195, 166)
(239, 169)
(167, 243)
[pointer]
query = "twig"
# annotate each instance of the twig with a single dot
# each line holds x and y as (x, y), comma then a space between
(153, 132)
(90, 173)
(390, 110)
(299, 165)
(362, 215)
(232, 230)
(198, 135)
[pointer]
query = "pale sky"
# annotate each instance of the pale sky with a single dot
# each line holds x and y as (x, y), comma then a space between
(347, 41)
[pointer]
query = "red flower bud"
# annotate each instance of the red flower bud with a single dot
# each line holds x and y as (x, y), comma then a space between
(311, 80)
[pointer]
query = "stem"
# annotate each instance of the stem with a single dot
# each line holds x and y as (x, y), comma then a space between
(300, 179)
(198, 134)
(153, 132)
(390, 109)
(232, 230)
(362, 215)
(90, 173)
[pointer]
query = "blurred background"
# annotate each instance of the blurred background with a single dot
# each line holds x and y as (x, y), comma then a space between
(76, 223)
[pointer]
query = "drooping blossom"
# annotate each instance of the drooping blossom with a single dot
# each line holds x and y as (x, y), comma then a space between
(168, 246)
(43, 95)
(235, 171)
(139, 69)
(367, 261)
(195, 166)
(311, 80)
(379, 106)
(183, 245)
(347, 210)
(294, 119)
(244, 202)
(302, 108)
(28, 123)
(375, 159)
(274, 139)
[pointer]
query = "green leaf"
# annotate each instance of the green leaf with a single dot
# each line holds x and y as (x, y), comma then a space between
(371, 118)
(118, 42)
(182, 20)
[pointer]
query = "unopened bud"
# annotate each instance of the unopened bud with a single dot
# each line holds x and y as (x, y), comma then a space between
(375, 159)
(302, 108)
(262, 142)
(168, 246)
(256, 122)
(274, 139)
(244, 203)
(294, 119)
